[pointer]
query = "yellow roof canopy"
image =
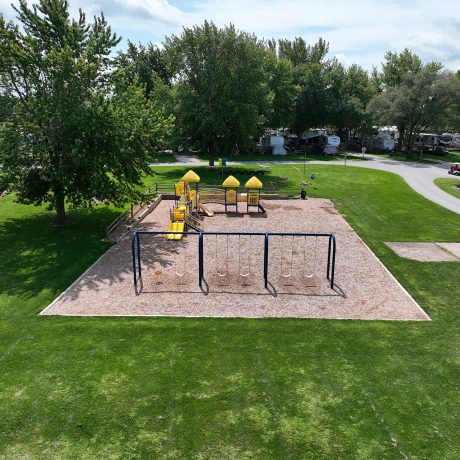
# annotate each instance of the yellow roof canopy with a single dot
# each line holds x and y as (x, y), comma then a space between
(253, 182)
(231, 182)
(191, 176)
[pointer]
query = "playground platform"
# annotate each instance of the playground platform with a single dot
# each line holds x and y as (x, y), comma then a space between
(363, 288)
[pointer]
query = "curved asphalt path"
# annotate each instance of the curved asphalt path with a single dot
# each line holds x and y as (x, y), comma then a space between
(419, 176)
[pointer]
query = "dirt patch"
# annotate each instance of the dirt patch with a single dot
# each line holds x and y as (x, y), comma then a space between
(234, 272)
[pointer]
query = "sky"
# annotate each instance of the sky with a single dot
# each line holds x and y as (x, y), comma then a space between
(358, 31)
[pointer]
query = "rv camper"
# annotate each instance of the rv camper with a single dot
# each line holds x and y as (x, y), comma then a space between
(321, 141)
(379, 144)
(273, 144)
(426, 141)
(333, 142)
(445, 139)
(455, 144)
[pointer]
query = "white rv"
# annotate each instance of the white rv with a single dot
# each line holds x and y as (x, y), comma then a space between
(426, 141)
(333, 143)
(324, 141)
(273, 144)
(379, 144)
(455, 144)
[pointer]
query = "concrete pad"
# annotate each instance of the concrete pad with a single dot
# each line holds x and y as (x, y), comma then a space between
(423, 252)
(453, 248)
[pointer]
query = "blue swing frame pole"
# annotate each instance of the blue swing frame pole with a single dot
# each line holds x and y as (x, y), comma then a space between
(266, 260)
(333, 261)
(136, 250)
(133, 252)
(200, 259)
(139, 254)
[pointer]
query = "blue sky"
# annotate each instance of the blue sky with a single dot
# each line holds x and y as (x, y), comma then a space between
(358, 31)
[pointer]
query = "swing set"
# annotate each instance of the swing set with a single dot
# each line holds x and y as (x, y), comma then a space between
(246, 252)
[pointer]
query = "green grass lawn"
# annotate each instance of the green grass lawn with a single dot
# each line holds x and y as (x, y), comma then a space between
(230, 388)
(280, 158)
(449, 185)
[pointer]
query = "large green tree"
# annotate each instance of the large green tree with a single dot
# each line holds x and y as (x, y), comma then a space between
(417, 103)
(395, 69)
(77, 132)
(311, 90)
(148, 64)
(222, 90)
(284, 91)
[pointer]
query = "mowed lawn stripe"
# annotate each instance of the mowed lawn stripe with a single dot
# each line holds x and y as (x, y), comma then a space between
(215, 388)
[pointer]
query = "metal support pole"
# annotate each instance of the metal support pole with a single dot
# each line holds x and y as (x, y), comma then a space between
(133, 252)
(329, 257)
(200, 259)
(266, 260)
(139, 254)
(247, 201)
(333, 262)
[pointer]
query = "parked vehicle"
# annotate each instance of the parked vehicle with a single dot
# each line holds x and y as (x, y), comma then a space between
(379, 144)
(321, 141)
(455, 144)
(425, 141)
(445, 139)
(274, 144)
(454, 169)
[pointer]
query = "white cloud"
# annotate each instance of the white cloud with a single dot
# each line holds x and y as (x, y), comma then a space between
(359, 31)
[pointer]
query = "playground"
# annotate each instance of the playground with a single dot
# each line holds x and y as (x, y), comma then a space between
(233, 256)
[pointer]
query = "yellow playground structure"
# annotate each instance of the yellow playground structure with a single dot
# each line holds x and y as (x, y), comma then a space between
(189, 202)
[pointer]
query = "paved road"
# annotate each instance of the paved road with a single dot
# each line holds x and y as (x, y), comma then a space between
(419, 176)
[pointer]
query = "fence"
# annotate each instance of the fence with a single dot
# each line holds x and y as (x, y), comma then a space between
(164, 187)
(264, 246)
(133, 211)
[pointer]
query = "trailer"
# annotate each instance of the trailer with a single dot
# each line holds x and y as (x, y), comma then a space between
(379, 144)
(274, 144)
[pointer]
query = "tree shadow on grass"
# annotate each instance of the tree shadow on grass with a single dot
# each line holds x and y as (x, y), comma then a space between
(38, 255)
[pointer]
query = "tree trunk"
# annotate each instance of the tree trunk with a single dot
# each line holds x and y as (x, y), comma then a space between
(401, 130)
(410, 143)
(211, 156)
(60, 209)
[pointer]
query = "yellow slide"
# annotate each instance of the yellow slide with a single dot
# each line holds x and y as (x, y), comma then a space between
(206, 210)
(175, 227)
(180, 228)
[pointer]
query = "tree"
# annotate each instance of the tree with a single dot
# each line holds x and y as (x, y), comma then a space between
(148, 64)
(395, 69)
(353, 91)
(77, 132)
(323, 93)
(417, 102)
(398, 65)
(298, 52)
(222, 92)
(284, 91)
